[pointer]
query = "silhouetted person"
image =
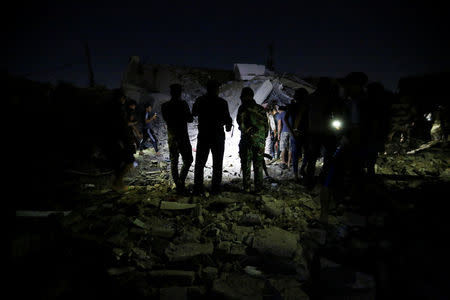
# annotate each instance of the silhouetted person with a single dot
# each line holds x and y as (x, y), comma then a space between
(375, 123)
(120, 144)
(296, 121)
(148, 134)
(320, 135)
(212, 112)
(252, 121)
(443, 117)
(133, 122)
(176, 114)
(284, 137)
(353, 144)
(272, 132)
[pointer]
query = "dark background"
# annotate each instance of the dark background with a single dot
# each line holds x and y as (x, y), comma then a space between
(386, 39)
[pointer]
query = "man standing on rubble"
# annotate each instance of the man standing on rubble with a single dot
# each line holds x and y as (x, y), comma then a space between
(320, 134)
(176, 114)
(296, 121)
(252, 121)
(119, 143)
(284, 137)
(212, 112)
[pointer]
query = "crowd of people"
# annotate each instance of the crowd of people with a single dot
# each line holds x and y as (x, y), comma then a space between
(345, 122)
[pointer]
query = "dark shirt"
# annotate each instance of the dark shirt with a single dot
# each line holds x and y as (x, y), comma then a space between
(212, 113)
(146, 116)
(176, 114)
(297, 116)
(319, 113)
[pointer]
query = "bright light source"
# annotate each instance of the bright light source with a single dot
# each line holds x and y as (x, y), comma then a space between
(337, 124)
(428, 117)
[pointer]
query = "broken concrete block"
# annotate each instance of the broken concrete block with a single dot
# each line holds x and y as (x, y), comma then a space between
(163, 229)
(224, 247)
(250, 219)
(141, 224)
(253, 271)
(167, 205)
(275, 241)
(288, 288)
(190, 235)
(273, 209)
(187, 251)
(241, 232)
(179, 277)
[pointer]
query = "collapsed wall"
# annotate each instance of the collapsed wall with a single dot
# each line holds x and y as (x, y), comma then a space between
(151, 83)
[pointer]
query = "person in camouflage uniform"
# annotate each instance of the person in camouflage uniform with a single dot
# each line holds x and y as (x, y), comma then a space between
(252, 121)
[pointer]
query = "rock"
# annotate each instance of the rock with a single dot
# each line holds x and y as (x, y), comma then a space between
(190, 235)
(187, 251)
(167, 205)
(238, 286)
(250, 219)
(253, 271)
(153, 201)
(272, 206)
(275, 241)
(288, 288)
(141, 224)
(179, 277)
(164, 230)
(301, 264)
(224, 247)
(241, 232)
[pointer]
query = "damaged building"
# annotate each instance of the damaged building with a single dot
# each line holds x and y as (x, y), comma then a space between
(84, 241)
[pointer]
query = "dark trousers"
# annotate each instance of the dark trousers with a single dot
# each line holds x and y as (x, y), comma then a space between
(215, 144)
(272, 142)
(252, 153)
(316, 143)
(180, 146)
(296, 144)
(148, 135)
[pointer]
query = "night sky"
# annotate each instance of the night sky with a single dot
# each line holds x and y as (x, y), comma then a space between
(386, 40)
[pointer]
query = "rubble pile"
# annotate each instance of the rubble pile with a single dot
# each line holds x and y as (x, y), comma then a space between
(197, 247)
(150, 83)
(427, 160)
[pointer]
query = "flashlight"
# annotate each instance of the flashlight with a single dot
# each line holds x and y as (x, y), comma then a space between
(337, 124)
